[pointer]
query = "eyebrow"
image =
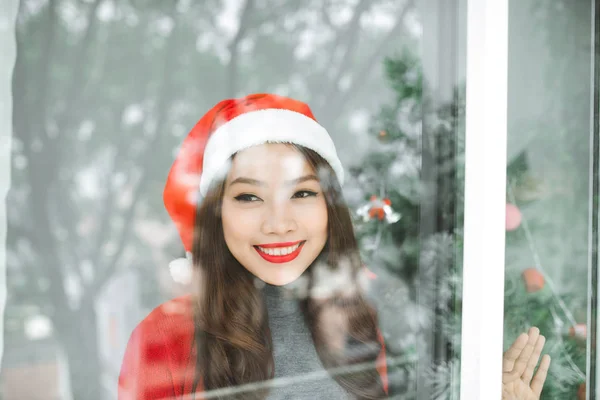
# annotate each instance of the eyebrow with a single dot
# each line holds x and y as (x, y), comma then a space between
(256, 182)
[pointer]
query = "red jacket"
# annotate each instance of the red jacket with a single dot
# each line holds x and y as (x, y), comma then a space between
(159, 360)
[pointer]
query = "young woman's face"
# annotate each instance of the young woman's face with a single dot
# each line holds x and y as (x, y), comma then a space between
(274, 213)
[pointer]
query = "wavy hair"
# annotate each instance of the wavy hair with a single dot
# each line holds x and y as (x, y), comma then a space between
(232, 338)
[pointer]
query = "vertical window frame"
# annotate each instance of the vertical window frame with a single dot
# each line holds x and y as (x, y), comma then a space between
(485, 205)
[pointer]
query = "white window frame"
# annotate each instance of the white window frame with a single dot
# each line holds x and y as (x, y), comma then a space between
(485, 182)
(485, 188)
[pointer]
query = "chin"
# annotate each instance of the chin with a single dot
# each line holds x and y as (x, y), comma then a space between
(282, 277)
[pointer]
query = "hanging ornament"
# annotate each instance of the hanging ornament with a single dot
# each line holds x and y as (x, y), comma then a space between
(579, 332)
(534, 280)
(380, 209)
(513, 217)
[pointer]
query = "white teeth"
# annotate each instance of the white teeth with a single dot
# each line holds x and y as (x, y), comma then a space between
(279, 251)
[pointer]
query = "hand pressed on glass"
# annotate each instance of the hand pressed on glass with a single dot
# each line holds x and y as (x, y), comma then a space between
(518, 365)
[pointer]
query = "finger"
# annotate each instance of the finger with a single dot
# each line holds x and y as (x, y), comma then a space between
(540, 376)
(533, 361)
(523, 359)
(511, 355)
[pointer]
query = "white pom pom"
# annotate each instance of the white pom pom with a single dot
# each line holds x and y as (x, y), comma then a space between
(181, 269)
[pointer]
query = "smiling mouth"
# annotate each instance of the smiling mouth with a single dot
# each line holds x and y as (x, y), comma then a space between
(280, 252)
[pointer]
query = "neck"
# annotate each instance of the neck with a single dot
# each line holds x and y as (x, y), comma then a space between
(282, 301)
(296, 289)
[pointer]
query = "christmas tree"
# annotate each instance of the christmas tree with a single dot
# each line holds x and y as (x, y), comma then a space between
(417, 282)
(418, 274)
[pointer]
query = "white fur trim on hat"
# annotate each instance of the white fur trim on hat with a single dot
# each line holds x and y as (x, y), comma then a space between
(257, 127)
(181, 269)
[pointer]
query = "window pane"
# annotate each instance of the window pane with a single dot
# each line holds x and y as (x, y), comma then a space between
(548, 185)
(104, 95)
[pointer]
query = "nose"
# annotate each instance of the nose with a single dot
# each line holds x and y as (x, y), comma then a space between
(278, 219)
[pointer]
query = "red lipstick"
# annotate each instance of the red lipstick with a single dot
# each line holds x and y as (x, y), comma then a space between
(282, 258)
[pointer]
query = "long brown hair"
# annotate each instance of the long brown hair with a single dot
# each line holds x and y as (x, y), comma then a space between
(233, 341)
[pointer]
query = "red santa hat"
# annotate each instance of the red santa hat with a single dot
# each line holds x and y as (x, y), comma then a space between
(231, 126)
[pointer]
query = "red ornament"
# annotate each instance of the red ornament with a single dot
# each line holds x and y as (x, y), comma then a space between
(377, 209)
(578, 331)
(513, 217)
(380, 209)
(534, 280)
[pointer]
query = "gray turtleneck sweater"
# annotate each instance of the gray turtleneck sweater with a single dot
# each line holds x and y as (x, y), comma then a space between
(299, 374)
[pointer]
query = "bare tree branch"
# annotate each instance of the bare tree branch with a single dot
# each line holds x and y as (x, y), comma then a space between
(32, 271)
(122, 153)
(146, 161)
(233, 47)
(34, 294)
(45, 242)
(21, 231)
(65, 213)
(250, 19)
(41, 168)
(45, 66)
(45, 171)
(108, 202)
(364, 71)
(111, 266)
(271, 13)
(325, 15)
(346, 38)
(56, 147)
(78, 63)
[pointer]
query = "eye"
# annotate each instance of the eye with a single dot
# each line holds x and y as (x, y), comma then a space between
(246, 198)
(303, 194)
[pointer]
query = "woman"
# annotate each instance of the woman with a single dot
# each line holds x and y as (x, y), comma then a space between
(279, 310)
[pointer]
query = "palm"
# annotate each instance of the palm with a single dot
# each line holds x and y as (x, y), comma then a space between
(517, 390)
(519, 362)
